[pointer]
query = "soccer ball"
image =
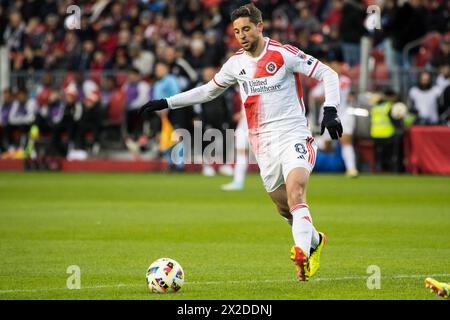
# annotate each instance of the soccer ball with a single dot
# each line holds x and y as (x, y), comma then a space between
(399, 110)
(165, 275)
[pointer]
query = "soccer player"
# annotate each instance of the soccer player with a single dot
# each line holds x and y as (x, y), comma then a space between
(268, 74)
(442, 289)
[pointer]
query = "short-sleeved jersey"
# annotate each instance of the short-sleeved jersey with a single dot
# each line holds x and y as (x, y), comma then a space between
(270, 85)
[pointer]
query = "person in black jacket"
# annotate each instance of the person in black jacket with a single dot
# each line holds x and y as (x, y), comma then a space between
(352, 29)
(409, 24)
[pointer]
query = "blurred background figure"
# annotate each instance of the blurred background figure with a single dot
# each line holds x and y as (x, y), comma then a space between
(352, 29)
(346, 116)
(137, 92)
(423, 100)
(216, 115)
(21, 117)
(166, 85)
(5, 126)
(242, 151)
(386, 133)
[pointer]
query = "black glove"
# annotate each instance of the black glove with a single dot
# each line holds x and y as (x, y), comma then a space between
(331, 122)
(153, 105)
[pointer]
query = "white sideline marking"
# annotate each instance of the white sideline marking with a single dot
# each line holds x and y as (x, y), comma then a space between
(401, 276)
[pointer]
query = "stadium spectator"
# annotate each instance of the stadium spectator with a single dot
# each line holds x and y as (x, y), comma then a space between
(5, 127)
(215, 53)
(120, 60)
(86, 55)
(216, 114)
(383, 132)
(13, 35)
(352, 29)
(64, 122)
(22, 115)
(408, 24)
(444, 106)
(166, 85)
(186, 75)
(196, 54)
(331, 47)
(443, 55)
(90, 121)
(437, 16)
(306, 21)
(137, 92)
(443, 78)
(142, 60)
(113, 104)
(44, 93)
(423, 100)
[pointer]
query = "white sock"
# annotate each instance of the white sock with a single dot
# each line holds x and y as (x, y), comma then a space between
(240, 168)
(303, 231)
(348, 154)
(315, 239)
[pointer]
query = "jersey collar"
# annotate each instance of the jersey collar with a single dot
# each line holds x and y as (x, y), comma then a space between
(266, 39)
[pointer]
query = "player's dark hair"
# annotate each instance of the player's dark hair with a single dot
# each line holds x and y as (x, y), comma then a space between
(247, 11)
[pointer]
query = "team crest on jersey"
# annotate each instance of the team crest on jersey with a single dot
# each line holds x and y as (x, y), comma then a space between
(271, 67)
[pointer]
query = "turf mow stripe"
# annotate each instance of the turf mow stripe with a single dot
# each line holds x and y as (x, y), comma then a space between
(401, 276)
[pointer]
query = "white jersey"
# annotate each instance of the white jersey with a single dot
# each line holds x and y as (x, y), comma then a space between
(272, 96)
(270, 88)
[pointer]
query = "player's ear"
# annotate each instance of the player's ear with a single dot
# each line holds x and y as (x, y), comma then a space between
(260, 26)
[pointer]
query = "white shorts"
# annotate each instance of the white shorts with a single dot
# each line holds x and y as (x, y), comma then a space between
(277, 157)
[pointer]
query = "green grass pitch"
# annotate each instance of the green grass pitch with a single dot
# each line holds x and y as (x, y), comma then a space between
(231, 245)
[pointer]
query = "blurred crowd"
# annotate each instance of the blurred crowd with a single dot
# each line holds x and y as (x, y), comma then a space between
(125, 52)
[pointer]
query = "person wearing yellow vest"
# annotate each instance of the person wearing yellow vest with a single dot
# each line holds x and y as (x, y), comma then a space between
(383, 132)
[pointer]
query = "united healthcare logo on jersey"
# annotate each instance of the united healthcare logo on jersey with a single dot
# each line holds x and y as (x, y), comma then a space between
(259, 86)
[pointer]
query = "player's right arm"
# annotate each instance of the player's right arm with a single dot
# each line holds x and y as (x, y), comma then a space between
(207, 92)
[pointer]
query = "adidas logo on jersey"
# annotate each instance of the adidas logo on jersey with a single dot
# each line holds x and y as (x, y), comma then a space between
(242, 72)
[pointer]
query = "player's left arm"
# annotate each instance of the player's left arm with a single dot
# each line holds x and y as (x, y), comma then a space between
(313, 68)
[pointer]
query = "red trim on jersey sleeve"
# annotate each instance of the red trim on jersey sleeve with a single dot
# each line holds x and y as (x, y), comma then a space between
(292, 49)
(287, 47)
(275, 43)
(214, 79)
(314, 68)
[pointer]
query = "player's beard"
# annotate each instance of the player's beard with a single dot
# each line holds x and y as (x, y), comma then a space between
(253, 46)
